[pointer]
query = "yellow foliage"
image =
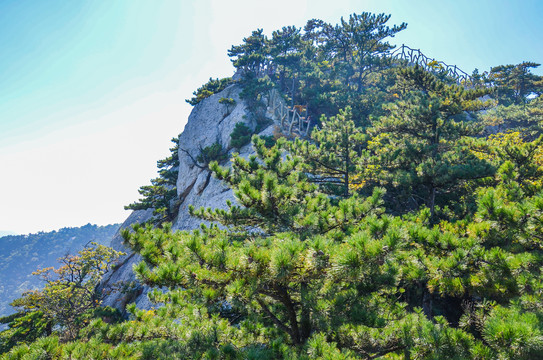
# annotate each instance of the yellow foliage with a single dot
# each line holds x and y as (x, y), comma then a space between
(500, 143)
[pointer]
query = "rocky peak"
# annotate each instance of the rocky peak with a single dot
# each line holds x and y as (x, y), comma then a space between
(210, 122)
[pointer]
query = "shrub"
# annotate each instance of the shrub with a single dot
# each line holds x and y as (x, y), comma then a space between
(269, 141)
(211, 153)
(241, 135)
(229, 103)
(213, 86)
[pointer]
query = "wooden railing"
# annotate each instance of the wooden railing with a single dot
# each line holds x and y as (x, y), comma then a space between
(416, 57)
(289, 119)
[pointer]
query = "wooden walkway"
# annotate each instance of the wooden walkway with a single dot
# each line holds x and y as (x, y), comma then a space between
(291, 122)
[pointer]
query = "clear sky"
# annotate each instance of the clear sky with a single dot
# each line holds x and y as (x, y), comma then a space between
(91, 92)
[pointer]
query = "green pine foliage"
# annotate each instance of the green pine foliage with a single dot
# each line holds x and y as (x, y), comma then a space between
(517, 93)
(326, 67)
(213, 86)
(240, 136)
(210, 153)
(421, 146)
(161, 195)
(514, 84)
(334, 153)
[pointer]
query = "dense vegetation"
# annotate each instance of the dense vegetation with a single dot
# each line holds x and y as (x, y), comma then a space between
(407, 226)
(67, 302)
(23, 254)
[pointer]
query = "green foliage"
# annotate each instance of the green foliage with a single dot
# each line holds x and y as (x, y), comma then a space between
(240, 136)
(420, 145)
(161, 195)
(327, 67)
(269, 141)
(344, 279)
(396, 231)
(213, 86)
(323, 67)
(66, 303)
(357, 44)
(211, 153)
(250, 56)
(517, 92)
(333, 153)
(513, 334)
(229, 103)
(514, 84)
(526, 118)
(24, 327)
(22, 254)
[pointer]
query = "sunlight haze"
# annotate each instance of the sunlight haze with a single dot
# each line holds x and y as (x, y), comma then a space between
(91, 92)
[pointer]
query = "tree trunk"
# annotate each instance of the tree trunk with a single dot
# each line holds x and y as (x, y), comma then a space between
(432, 203)
(426, 302)
(305, 322)
(291, 313)
(347, 165)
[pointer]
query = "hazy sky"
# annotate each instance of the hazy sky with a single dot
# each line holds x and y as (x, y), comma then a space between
(91, 92)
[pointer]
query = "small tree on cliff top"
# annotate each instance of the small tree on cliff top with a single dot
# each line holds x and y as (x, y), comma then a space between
(161, 195)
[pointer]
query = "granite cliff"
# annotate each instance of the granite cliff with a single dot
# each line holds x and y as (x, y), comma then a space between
(210, 122)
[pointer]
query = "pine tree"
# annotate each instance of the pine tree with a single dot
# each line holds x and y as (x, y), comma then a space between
(284, 241)
(334, 153)
(421, 141)
(358, 45)
(252, 55)
(161, 195)
(514, 84)
(518, 94)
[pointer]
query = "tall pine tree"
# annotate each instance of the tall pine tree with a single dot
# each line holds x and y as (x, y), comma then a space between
(421, 141)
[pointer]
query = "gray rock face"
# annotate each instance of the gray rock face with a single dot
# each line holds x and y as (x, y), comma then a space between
(123, 274)
(208, 123)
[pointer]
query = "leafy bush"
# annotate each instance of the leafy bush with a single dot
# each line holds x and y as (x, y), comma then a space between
(241, 135)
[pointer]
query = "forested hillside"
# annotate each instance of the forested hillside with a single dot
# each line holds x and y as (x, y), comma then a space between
(395, 213)
(20, 255)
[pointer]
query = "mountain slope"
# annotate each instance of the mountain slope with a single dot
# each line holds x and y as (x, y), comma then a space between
(20, 255)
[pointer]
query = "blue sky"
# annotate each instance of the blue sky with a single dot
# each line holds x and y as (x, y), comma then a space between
(92, 91)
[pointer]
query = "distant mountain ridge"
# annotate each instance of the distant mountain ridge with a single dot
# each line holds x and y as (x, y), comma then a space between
(20, 255)
(6, 233)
